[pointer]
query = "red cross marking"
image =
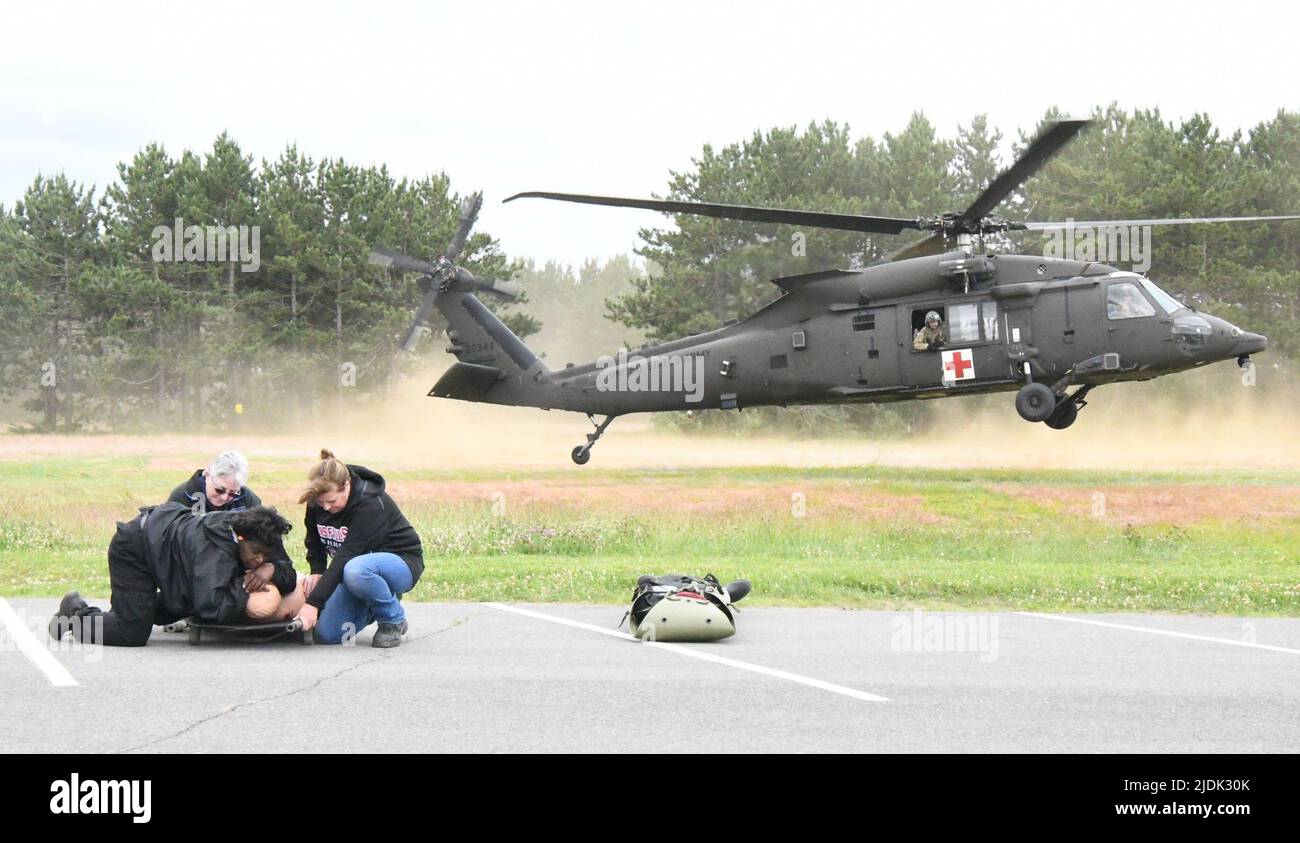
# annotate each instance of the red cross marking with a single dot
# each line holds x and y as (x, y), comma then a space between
(959, 365)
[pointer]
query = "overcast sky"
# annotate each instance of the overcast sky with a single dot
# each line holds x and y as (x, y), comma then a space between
(594, 97)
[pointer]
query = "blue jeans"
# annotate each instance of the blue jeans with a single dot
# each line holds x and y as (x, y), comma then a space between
(372, 586)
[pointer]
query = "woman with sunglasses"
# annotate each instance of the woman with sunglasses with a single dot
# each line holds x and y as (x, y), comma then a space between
(218, 488)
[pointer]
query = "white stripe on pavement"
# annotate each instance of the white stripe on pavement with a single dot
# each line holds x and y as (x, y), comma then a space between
(698, 654)
(1168, 632)
(38, 654)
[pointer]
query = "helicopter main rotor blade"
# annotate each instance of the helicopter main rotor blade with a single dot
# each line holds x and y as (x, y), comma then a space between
(933, 245)
(1039, 152)
(1048, 226)
(748, 213)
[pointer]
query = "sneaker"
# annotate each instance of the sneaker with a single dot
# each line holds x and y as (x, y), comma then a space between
(389, 634)
(71, 607)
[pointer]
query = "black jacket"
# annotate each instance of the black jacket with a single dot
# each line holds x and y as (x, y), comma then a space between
(194, 490)
(370, 522)
(195, 562)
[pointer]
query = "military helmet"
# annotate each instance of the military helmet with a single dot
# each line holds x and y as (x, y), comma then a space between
(932, 316)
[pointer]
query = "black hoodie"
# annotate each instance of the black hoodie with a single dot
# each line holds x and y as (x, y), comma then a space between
(369, 523)
(195, 489)
(195, 562)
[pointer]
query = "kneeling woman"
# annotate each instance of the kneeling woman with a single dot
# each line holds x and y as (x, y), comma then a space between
(364, 555)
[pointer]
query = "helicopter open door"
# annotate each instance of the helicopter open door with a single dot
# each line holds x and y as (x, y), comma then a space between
(973, 349)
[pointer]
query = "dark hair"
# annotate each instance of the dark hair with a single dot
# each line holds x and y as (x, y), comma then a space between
(261, 524)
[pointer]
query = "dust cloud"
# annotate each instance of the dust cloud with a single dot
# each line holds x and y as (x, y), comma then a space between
(1126, 426)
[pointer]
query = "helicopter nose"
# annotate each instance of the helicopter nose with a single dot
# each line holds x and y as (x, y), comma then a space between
(1249, 343)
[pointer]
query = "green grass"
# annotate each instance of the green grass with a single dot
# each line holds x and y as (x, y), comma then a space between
(966, 539)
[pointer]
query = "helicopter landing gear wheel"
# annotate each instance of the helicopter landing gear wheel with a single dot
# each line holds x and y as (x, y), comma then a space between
(1035, 402)
(1064, 414)
(582, 453)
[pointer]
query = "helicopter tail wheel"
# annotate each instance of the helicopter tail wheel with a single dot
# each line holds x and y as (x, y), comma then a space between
(582, 453)
(1064, 414)
(1035, 402)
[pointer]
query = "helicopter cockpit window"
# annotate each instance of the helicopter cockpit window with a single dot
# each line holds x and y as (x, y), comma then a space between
(1125, 301)
(1167, 303)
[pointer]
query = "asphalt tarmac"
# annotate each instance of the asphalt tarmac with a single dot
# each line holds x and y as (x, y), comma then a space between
(480, 677)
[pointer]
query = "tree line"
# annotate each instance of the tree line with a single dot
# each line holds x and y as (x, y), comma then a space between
(120, 310)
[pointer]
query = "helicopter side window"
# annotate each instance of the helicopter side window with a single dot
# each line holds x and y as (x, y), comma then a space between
(1125, 301)
(964, 323)
(960, 323)
(990, 316)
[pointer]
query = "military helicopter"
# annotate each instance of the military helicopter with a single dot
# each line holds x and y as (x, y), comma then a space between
(1049, 329)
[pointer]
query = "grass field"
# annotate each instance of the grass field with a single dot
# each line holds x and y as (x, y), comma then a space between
(1223, 542)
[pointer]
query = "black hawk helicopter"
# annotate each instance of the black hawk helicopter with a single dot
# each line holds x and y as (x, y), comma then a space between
(1036, 326)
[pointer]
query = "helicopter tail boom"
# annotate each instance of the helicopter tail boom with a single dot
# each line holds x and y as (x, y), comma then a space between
(489, 353)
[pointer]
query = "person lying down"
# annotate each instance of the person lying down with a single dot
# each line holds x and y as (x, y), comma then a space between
(168, 563)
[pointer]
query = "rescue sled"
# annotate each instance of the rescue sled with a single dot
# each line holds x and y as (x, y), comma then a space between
(256, 632)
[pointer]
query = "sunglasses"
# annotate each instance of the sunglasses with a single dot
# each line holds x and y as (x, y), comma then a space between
(221, 493)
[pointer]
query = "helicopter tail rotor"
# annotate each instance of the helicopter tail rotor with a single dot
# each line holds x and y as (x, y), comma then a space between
(443, 274)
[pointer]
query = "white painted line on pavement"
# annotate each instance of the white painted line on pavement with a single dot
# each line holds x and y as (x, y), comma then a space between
(38, 654)
(1168, 632)
(698, 654)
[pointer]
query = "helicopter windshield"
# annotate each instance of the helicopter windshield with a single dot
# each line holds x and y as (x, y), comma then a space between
(1167, 303)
